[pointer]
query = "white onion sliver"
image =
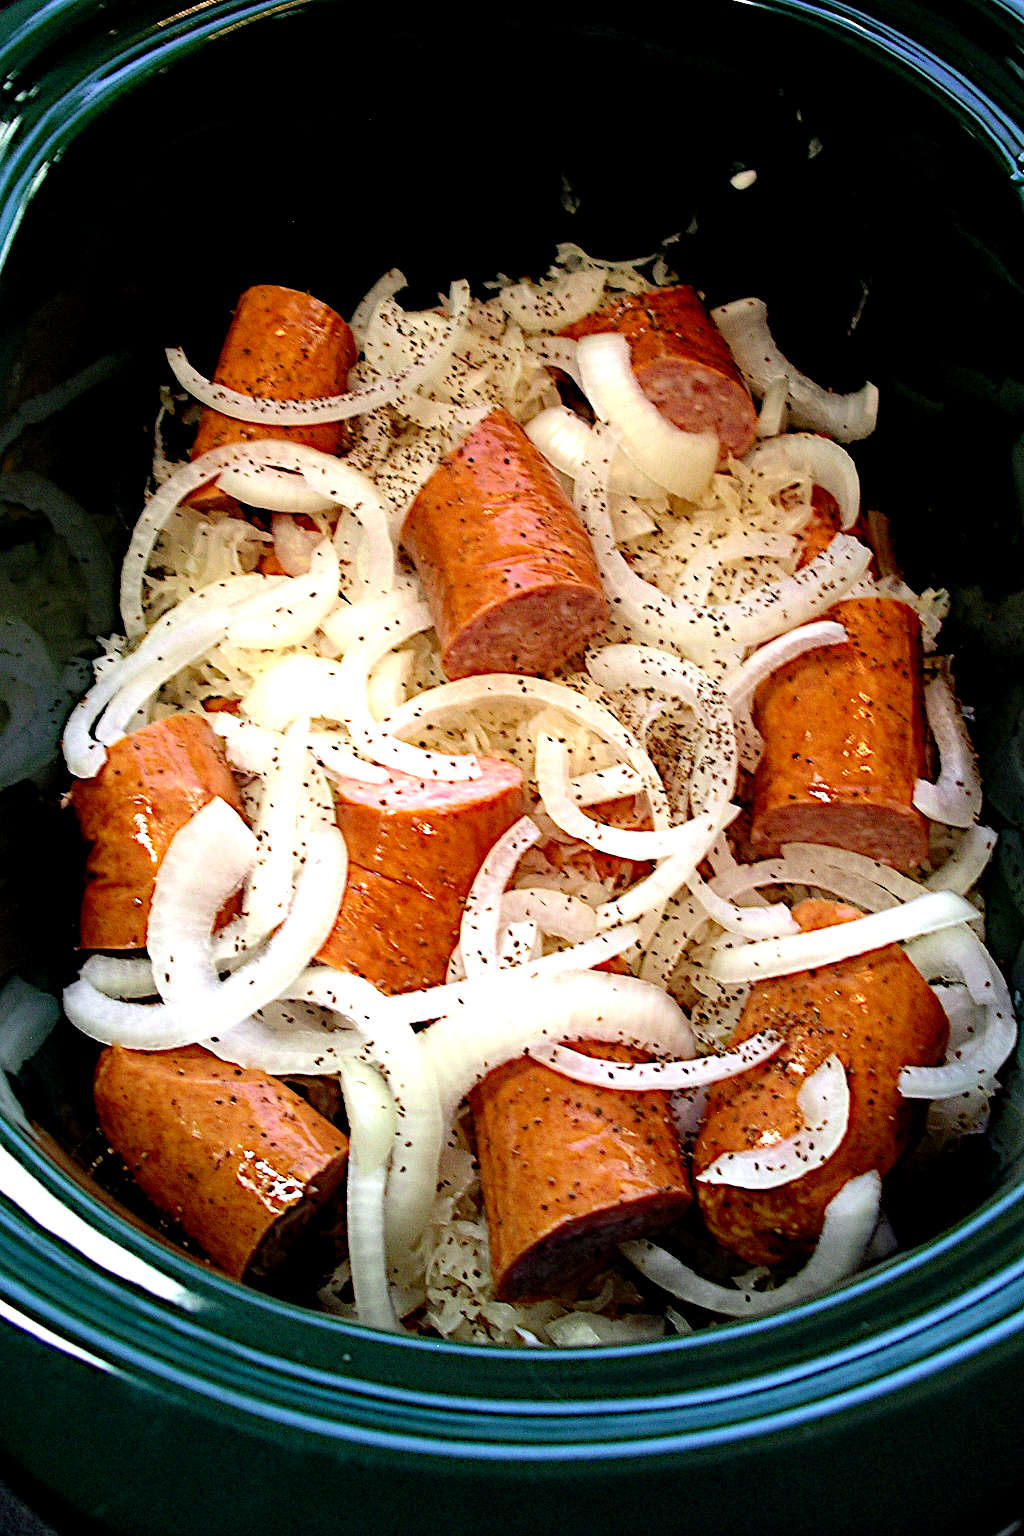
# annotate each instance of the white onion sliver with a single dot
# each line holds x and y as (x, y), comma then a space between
(273, 490)
(555, 305)
(955, 798)
(669, 875)
(481, 915)
(666, 1076)
(850, 1219)
(744, 324)
(824, 1102)
(682, 462)
(824, 946)
(565, 440)
(824, 462)
(743, 681)
(290, 613)
(554, 912)
(770, 922)
(978, 1059)
(967, 864)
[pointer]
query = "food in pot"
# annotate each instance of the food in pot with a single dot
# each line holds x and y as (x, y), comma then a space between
(458, 807)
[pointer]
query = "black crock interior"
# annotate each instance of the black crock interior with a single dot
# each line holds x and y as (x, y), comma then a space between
(315, 151)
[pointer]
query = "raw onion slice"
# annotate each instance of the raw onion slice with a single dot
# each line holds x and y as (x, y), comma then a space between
(552, 912)
(304, 413)
(666, 1076)
(350, 623)
(565, 440)
(370, 1109)
(771, 419)
(824, 462)
(744, 324)
(976, 1061)
(205, 863)
(682, 462)
(557, 352)
(462, 1048)
(340, 762)
(250, 748)
(520, 942)
(770, 922)
(955, 797)
(809, 860)
(668, 877)
(273, 490)
(824, 946)
(289, 614)
(552, 772)
(293, 545)
(966, 865)
(481, 915)
(713, 779)
(778, 606)
(603, 784)
(824, 1102)
(553, 305)
(269, 888)
(851, 1217)
(392, 282)
(743, 681)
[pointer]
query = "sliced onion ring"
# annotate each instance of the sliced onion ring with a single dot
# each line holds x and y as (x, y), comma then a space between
(565, 440)
(978, 1059)
(665, 1076)
(824, 1102)
(955, 797)
(824, 462)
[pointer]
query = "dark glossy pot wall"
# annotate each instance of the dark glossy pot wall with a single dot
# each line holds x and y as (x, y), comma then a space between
(153, 165)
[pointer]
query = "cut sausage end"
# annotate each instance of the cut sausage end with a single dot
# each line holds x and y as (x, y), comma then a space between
(896, 835)
(529, 633)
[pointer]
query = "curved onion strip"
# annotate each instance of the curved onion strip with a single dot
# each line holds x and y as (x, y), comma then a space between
(269, 887)
(982, 1056)
(824, 1102)
(292, 612)
(260, 980)
(812, 859)
(565, 440)
(744, 324)
(369, 1106)
(385, 287)
(771, 419)
(955, 797)
(293, 545)
(340, 762)
(742, 682)
(552, 772)
(495, 687)
(350, 623)
(667, 878)
(965, 867)
(557, 352)
(205, 863)
(668, 1076)
(713, 779)
(603, 784)
(779, 605)
(461, 1049)
(682, 462)
(250, 748)
(554, 912)
(481, 915)
(824, 946)
(519, 942)
(178, 638)
(273, 490)
(554, 305)
(850, 1219)
(749, 922)
(824, 462)
(304, 413)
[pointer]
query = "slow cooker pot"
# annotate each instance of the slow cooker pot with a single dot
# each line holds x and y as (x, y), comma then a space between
(152, 164)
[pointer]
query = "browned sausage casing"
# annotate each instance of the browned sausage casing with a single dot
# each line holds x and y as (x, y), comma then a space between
(506, 565)
(570, 1169)
(238, 1159)
(283, 345)
(844, 741)
(414, 848)
(152, 783)
(682, 363)
(877, 1014)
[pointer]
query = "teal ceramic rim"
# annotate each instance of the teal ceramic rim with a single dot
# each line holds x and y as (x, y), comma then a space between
(172, 1322)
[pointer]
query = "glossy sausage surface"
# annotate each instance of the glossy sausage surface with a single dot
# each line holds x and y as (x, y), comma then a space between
(414, 848)
(284, 345)
(152, 783)
(878, 1014)
(570, 1169)
(682, 363)
(844, 741)
(506, 565)
(238, 1159)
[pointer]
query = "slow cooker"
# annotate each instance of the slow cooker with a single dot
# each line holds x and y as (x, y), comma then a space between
(860, 169)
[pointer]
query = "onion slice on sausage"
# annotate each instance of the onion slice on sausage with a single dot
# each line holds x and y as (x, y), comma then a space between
(928, 913)
(666, 1076)
(955, 797)
(744, 324)
(824, 1102)
(966, 864)
(481, 914)
(976, 1061)
(824, 462)
(565, 440)
(851, 1217)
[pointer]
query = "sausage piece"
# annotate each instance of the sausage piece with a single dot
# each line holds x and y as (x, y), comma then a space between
(506, 565)
(568, 1170)
(844, 741)
(877, 1013)
(414, 849)
(682, 363)
(152, 783)
(283, 345)
(238, 1159)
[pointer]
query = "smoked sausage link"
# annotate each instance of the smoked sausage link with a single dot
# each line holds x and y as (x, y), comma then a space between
(570, 1169)
(238, 1159)
(877, 1013)
(682, 363)
(414, 848)
(152, 783)
(283, 345)
(844, 741)
(506, 565)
